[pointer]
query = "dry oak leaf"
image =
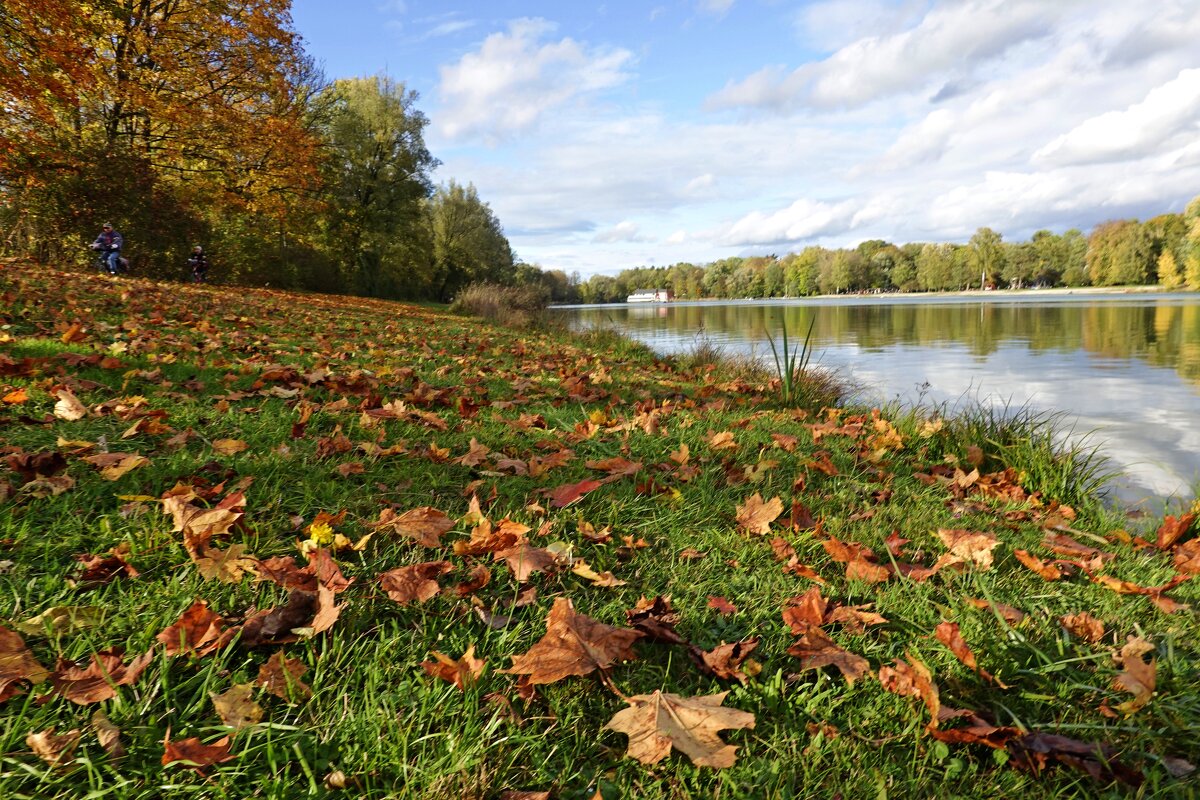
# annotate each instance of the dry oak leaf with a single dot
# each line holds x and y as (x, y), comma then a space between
(966, 547)
(425, 525)
(755, 516)
(194, 753)
(281, 677)
(416, 583)
(573, 645)
(100, 679)
(1139, 676)
(54, 749)
(17, 664)
(1083, 626)
(815, 650)
(657, 722)
(197, 632)
(460, 671)
(236, 707)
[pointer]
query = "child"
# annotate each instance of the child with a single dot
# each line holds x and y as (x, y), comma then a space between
(199, 265)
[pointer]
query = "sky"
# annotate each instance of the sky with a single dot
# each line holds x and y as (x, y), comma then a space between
(636, 133)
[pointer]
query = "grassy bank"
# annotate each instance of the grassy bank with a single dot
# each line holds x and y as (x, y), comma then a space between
(442, 486)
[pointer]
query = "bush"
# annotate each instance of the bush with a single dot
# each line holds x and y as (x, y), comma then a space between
(514, 306)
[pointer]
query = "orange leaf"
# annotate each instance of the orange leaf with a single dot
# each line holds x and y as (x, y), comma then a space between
(460, 672)
(196, 754)
(755, 516)
(416, 583)
(563, 496)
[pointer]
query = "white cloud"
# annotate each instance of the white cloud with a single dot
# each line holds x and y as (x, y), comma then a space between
(1169, 111)
(803, 220)
(678, 237)
(515, 77)
(449, 28)
(717, 7)
(701, 185)
(950, 40)
(624, 231)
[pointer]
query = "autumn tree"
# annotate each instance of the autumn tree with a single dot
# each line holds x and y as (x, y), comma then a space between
(469, 245)
(1169, 275)
(1120, 252)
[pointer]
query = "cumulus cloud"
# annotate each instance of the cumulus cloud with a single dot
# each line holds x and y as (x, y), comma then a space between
(1169, 111)
(624, 231)
(803, 220)
(515, 77)
(951, 38)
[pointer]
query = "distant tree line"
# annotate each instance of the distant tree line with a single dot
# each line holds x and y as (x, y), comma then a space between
(205, 122)
(1164, 250)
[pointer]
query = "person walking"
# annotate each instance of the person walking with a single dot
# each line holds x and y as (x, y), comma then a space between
(109, 243)
(199, 265)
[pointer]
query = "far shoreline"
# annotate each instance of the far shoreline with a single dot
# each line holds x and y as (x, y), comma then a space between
(1058, 292)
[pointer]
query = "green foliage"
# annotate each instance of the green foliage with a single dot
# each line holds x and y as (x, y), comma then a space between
(468, 243)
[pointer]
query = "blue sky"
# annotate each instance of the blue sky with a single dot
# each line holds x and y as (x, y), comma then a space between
(620, 134)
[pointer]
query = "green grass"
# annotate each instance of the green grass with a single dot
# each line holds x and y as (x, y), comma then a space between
(393, 731)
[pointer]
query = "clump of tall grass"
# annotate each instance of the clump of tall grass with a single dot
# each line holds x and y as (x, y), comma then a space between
(1042, 446)
(512, 306)
(705, 355)
(799, 383)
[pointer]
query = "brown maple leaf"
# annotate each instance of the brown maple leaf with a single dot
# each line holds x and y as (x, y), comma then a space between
(1139, 675)
(721, 605)
(1172, 530)
(756, 516)
(913, 679)
(725, 660)
(656, 619)
(948, 634)
(195, 754)
(573, 645)
(1049, 571)
(424, 525)
(563, 496)
(55, 749)
(657, 722)
(236, 706)
(815, 650)
(100, 679)
(197, 632)
(17, 664)
(524, 560)
(1083, 626)
(460, 672)
(416, 583)
(281, 677)
(226, 566)
(966, 547)
(104, 568)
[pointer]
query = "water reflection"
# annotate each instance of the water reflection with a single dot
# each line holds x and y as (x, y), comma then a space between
(1126, 367)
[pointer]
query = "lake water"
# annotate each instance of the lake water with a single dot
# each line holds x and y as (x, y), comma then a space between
(1123, 367)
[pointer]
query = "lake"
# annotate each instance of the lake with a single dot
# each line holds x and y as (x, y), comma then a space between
(1124, 368)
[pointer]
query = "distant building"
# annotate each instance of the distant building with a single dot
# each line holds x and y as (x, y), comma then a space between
(649, 296)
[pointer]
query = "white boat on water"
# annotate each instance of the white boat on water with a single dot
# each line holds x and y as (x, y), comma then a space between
(649, 296)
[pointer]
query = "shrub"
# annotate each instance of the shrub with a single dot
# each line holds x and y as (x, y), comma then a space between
(513, 306)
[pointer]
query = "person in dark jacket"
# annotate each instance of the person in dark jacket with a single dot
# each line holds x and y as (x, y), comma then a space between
(199, 264)
(109, 243)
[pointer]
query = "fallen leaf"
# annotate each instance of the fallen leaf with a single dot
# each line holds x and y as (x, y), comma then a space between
(756, 516)
(1048, 571)
(948, 634)
(563, 496)
(281, 677)
(1172, 530)
(966, 547)
(17, 664)
(58, 620)
(573, 645)
(68, 406)
(236, 706)
(524, 559)
(108, 735)
(460, 671)
(226, 566)
(55, 749)
(1083, 626)
(815, 650)
(1138, 677)
(416, 583)
(424, 525)
(197, 632)
(657, 722)
(725, 661)
(100, 679)
(229, 447)
(912, 678)
(721, 605)
(195, 754)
